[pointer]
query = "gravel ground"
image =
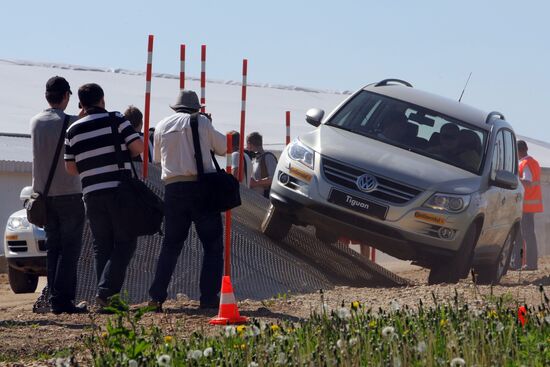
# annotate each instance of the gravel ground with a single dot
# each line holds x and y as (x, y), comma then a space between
(34, 338)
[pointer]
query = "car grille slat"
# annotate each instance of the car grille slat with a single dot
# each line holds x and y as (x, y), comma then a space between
(387, 190)
(17, 246)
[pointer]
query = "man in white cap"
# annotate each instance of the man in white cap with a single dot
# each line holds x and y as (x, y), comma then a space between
(183, 197)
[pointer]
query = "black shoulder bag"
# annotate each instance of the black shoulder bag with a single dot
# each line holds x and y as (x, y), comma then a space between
(140, 208)
(220, 189)
(36, 204)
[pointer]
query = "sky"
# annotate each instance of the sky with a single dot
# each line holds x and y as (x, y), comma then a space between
(335, 45)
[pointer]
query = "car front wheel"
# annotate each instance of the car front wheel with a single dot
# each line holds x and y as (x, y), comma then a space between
(456, 268)
(275, 225)
(492, 273)
(21, 282)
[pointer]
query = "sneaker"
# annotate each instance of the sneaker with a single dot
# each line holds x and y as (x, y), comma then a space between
(71, 308)
(156, 305)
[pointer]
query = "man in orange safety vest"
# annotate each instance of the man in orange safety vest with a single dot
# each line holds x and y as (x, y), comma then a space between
(529, 174)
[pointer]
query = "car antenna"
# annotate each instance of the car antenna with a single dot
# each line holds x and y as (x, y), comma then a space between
(465, 85)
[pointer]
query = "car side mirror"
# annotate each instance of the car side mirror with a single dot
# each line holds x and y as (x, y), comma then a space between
(26, 193)
(506, 180)
(314, 116)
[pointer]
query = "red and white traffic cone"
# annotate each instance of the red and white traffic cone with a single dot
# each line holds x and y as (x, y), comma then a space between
(228, 312)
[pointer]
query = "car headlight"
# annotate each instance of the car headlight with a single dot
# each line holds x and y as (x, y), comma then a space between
(301, 153)
(450, 203)
(18, 224)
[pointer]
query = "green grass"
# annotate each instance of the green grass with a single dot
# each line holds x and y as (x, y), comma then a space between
(444, 335)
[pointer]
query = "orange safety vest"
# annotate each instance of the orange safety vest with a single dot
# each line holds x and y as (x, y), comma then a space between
(532, 202)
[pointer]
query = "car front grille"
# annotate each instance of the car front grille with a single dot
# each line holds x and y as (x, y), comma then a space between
(387, 190)
(17, 246)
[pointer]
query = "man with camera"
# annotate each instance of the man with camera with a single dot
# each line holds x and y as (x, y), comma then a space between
(64, 206)
(184, 198)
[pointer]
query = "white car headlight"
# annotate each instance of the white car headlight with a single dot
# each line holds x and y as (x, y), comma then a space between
(301, 153)
(18, 224)
(448, 202)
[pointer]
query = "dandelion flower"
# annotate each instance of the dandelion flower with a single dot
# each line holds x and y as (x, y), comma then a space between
(395, 305)
(253, 364)
(241, 329)
(132, 363)
(281, 358)
(164, 360)
(443, 322)
(353, 341)
(230, 331)
(372, 324)
(340, 344)
(274, 328)
(243, 346)
(388, 331)
(208, 352)
(344, 313)
(355, 305)
(194, 354)
(168, 339)
(458, 362)
(421, 347)
(492, 314)
(104, 335)
(499, 327)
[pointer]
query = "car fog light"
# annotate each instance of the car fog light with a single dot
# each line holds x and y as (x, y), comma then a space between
(446, 233)
(284, 178)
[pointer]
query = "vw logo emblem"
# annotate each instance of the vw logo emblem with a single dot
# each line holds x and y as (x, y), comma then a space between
(366, 183)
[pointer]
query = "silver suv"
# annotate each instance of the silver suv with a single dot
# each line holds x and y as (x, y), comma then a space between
(416, 175)
(25, 250)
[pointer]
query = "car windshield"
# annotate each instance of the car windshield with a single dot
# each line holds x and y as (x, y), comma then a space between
(414, 128)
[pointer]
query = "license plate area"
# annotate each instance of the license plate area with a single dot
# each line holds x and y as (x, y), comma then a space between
(358, 204)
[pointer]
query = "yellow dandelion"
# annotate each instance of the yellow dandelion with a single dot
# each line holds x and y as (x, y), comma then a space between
(104, 335)
(355, 305)
(372, 324)
(443, 322)
(492, 314)
(168, 339)
(243, 346)
(241, 329)
(274, 328)
(289, 330)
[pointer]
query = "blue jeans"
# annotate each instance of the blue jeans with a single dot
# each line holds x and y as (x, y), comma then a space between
(182, 206)
(65, 222)
(113, 248)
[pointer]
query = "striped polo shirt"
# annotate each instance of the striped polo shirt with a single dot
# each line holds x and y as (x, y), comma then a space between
(90, 144)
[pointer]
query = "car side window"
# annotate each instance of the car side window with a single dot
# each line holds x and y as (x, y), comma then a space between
(498, 155)
(509, 152)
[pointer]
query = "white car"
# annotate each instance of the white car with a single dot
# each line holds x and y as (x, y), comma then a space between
(25, 250)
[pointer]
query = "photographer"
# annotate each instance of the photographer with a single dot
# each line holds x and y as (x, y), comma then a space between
(183, 198)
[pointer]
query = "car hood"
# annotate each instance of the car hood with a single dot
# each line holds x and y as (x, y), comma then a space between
(389, 161)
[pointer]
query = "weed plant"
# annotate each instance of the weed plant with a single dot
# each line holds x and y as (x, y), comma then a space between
(450, 334)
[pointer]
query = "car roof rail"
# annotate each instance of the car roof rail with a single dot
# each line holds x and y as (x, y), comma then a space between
(386, 81)
(494, 114)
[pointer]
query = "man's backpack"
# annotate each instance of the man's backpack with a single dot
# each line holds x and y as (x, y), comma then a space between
(263, 168)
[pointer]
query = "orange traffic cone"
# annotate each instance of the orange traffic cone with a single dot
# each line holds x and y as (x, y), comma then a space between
(228, 312)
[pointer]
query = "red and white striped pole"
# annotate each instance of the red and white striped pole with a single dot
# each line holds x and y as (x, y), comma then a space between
(243, 115)
(287, 127)
(182, 67)
(227, 265)
(147, 111)
(203, 77)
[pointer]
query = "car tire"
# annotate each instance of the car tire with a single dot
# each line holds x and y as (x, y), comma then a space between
(456, 268)
(21, 282)
(493, 273)
(327, 237)
(275, 225)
